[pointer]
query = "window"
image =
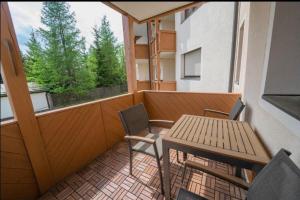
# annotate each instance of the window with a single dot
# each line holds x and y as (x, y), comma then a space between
(187, 13)
(283, 72)
(192, 64)
(239, 59)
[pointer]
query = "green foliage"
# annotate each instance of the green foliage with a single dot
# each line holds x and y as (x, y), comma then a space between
(57, 59)
(106, 57)
(64, 50)
(34, 60)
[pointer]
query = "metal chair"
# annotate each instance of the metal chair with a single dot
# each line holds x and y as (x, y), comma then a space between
(234, 113)
(278, 180)
(135, 120)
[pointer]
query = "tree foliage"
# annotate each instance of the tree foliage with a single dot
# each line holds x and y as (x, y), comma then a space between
(34, 60)
(57, 59)
(106, 56)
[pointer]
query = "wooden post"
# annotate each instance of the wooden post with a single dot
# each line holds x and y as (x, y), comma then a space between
(129, 53)
(157, 52)
(16, 86)
(149, 31)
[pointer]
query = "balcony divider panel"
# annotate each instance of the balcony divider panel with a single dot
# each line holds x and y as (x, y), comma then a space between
(16, 86)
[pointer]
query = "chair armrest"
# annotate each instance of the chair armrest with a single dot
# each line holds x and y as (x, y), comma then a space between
(232, 179)
(138, 138)
(161, 121)
(215, 111)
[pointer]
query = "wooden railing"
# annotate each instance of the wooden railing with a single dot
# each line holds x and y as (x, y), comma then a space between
(171, 105)
(143, 85)
(167, 85)
(167, 41)
(141, 51)
(75, 135)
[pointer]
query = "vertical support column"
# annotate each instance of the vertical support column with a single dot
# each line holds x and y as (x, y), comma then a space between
(16, 86)
(149, 36)
(129, 53)
(157, 52)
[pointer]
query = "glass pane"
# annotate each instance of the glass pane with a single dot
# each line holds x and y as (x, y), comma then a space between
(192, 63)
(6, 111)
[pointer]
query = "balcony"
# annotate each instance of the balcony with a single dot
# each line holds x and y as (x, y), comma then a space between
(78, 152)
(167, 41)
(87, 155)
(141, 51)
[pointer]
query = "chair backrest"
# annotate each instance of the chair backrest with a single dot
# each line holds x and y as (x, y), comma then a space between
(134, 119)
(279, 179)
(236, 110)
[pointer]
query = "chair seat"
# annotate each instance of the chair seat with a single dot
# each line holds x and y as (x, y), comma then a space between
(183, 194)
(149, 148)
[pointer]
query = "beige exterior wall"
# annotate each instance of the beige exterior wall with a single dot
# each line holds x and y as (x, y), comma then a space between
(277, 129)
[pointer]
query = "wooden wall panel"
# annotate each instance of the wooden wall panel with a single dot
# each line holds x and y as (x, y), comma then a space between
(167, 41)
(167, 85)
(143, 85)
(171, 105)
(17, 177)
(141, 51)
(138, 97)
(113, 127)
(73, 137)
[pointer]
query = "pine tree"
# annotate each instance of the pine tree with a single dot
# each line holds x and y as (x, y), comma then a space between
(33, 60)
(122, 66)
(64, 51)
(104, 54)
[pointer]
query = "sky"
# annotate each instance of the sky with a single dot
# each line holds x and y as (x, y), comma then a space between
(26, 16)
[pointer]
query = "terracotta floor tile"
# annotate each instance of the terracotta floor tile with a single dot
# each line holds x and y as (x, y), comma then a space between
(107, 177)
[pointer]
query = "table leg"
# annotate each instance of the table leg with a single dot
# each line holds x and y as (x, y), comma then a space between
(166, 163)
(184, 156)
(238, 172)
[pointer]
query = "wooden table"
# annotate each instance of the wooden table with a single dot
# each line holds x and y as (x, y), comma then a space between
(223, 140)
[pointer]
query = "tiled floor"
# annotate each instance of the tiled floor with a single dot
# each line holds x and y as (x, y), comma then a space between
(108, 177)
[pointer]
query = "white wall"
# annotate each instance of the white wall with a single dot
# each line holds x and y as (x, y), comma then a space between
(277, 129)
(209, 28)
(39, 102)
(283, 76)
(243, 20)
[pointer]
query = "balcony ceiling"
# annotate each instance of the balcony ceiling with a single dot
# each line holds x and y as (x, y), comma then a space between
(142, 11)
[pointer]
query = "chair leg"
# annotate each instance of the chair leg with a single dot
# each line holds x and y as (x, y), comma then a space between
(183, 174)
(238, 172)
(177, 155)
(184, 157)
(160, 176)
(159, 169)
(130, 161)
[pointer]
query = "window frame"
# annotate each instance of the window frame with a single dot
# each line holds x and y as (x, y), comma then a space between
(183, 75)
(184, 16)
